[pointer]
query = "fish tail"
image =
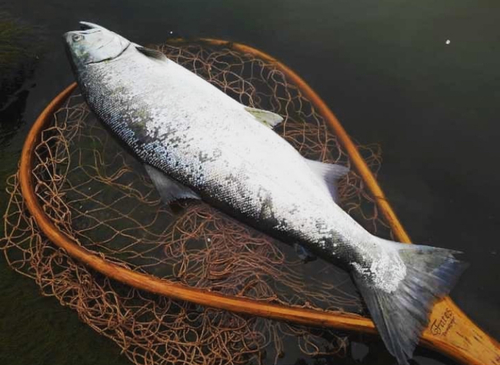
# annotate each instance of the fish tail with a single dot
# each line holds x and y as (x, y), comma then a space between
(401, 314)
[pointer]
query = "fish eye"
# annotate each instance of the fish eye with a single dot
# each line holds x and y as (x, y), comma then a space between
(77, 37)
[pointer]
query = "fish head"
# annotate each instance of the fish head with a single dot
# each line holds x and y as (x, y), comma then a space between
(92, 44)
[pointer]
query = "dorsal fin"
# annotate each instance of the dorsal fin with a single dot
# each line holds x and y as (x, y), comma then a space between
(170, 190)
(152, 53)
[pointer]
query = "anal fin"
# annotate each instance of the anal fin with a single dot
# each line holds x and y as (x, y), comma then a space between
(329, 174)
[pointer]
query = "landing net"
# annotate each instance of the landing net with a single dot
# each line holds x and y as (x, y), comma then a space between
(100, 196)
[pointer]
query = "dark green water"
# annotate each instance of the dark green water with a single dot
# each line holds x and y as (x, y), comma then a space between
(386, 71)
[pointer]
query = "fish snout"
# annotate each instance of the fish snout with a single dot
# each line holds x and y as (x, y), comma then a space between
(88, 26)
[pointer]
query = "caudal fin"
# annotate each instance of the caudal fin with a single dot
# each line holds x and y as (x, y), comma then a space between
(401, 315)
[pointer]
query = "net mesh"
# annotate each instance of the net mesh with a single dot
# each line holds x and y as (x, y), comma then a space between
(99, 195)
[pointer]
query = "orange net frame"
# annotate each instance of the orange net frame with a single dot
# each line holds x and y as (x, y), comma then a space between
(99, 195)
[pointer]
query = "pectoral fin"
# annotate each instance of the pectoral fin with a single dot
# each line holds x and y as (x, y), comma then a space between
(267, 118)
(329, 174)
(169, 189)
(151, 53)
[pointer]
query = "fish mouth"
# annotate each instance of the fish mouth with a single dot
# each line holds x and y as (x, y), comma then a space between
(97, 43)
(88, 26)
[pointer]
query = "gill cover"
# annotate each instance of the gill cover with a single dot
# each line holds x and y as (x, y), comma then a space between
(94, 43)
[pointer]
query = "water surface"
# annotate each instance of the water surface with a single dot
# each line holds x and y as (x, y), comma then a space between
(386, 70)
